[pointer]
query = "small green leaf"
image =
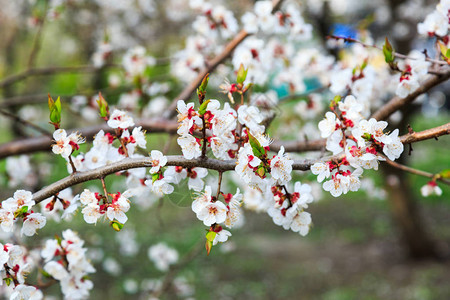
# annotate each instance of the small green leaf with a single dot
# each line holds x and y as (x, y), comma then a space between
(155, 177)
(202, 109)
(257, 149)
(202, 88)
(45, 274)
(261, 171)
(211, 235)
(116, 225)
(445, 173)
(208, 246)
(367, 136)
(103, 106)
(8, 280)
(55, 111)
(388, 52)
(21, 212)
(241, 74)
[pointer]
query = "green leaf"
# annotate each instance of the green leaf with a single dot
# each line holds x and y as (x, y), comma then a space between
(21, 212)
(208, 246)
(116, 225)
(55, 110)
(202, 109)
(445, 173)
(8, 280)
(155, 177)
(202, 88)
(211, 235)
(388, 52)
(103, 106)
(241, 74)
(257, 149)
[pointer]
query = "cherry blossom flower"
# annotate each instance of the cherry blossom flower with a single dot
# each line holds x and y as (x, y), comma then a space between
(23, 291)
(431, 188)
(337, 186)
(221, 237)
(281, 167)
(202, 200)
(189, 146)
(20, 199)
(119, 206)
(322, 170)
(71, 276)
(32, 222)
(91, 213)
(328, 125)
(161, 186)
(407, 85)
(234, 214)
(62, 145)
(301, 223)
(135, 61)
(6, 220)
(120, 119)
(434, 23)
(395, 147)
(250, 116)
(158, 160)
(213, 212)
(162, 256)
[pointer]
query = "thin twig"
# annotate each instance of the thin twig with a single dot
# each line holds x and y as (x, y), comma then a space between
(398, 55)
(212, 65)
(19, 120)
(416, 171)
(396, 103)
(104, 187)
(37, 39)
(219, 185)
(48, 71)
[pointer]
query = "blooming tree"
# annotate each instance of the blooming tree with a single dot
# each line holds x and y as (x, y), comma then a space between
(235, 152)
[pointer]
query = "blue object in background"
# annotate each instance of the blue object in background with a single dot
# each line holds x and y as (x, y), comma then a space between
(344, 30)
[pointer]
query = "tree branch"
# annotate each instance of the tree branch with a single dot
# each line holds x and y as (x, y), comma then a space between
(43, 143)
(396, 103)
(211, 66)
(132, 163)
(48, 71)
(416, 171)
(19, 120)
(317, 145)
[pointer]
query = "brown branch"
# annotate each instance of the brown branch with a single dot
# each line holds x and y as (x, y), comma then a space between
(48, 71)
(43, 143)
(212, 65)
(132, 163)
(317, 145)
(398, 55)
(426, 134)
(416, 171)
(19, 120)
(37, 39)
(396, 103)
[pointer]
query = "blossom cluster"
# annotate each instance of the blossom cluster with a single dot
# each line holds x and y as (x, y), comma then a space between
(95, 205)
(361, 142)
(20, 207)
(162, 256)
(15, 264)
(213, 212)
(65, 260)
